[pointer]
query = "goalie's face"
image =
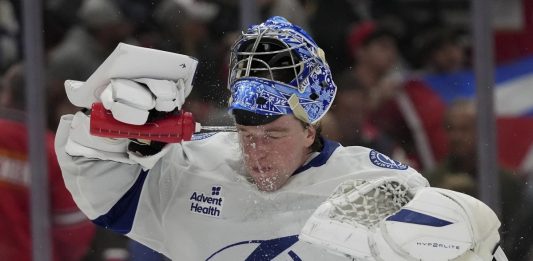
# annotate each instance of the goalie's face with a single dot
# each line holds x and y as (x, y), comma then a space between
(272, 152)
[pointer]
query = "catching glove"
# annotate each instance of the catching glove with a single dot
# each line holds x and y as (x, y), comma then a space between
(384, 220)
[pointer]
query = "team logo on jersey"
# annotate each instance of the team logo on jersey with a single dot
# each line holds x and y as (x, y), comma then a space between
(383, 161)
(267, 250)
(209, 204)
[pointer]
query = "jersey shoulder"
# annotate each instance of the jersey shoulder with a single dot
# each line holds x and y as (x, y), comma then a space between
(367, 158)
(207, 151)
(364, 163)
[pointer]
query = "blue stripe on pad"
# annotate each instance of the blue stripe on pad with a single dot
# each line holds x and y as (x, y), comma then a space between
(409, 216)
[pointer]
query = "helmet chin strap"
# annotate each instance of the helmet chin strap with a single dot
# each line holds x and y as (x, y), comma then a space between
(297, 109)
(320, 53)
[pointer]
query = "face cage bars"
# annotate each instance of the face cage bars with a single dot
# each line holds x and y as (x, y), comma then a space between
(238, 65)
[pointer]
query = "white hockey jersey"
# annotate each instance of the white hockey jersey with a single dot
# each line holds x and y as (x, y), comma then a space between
(197, 203)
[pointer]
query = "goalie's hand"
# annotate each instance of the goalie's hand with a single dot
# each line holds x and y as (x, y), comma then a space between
(384, 220)
(130, 101)
(133, 80)
(132, 83)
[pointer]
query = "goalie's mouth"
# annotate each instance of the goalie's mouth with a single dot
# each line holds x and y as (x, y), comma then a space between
(261, 169)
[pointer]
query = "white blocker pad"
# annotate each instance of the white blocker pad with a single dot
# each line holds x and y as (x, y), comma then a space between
(131, 62)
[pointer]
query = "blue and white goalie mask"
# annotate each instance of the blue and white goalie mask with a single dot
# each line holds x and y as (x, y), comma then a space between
(277, 69)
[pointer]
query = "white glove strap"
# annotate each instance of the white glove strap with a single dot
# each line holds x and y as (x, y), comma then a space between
(81, 143)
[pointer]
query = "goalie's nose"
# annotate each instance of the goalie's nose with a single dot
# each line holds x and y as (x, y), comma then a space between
(256, 150)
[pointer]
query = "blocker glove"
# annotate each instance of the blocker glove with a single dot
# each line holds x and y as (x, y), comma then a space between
(134, 80)
(135, 84)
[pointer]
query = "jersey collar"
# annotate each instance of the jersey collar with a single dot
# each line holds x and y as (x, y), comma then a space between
(329, 147)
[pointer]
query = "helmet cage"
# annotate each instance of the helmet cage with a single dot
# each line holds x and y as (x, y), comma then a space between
(248, 57)
(275, 63)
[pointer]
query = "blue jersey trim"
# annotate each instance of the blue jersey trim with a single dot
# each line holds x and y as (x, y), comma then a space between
(294, 256)
(409, 216)
(232, 245)
(266, 249)
(322, 158)
(269, 249)
(120, 216)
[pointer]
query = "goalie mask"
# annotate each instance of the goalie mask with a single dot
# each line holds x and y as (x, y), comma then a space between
(276, 69)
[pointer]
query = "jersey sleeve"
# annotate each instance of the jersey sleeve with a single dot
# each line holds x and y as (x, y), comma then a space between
(112, 194)
(72, 232)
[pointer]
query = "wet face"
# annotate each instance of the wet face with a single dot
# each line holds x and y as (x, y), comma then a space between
(272, 152)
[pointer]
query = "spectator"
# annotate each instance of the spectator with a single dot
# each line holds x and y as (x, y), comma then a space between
(373, 49)
(349, 121)
(328, 23)
(375, 72)
(442, 50)
(102, 26)
(9, 30)
(413, 114)
(459, 169)
(188, 33)
(292, 10)
(71, 230)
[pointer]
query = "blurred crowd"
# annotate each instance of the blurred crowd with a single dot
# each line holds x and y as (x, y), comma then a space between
(378, 51)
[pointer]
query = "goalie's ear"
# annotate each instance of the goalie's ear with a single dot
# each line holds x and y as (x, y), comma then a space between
(310, 132)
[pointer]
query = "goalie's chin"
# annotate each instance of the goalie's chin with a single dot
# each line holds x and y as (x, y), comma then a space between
(268, 179)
